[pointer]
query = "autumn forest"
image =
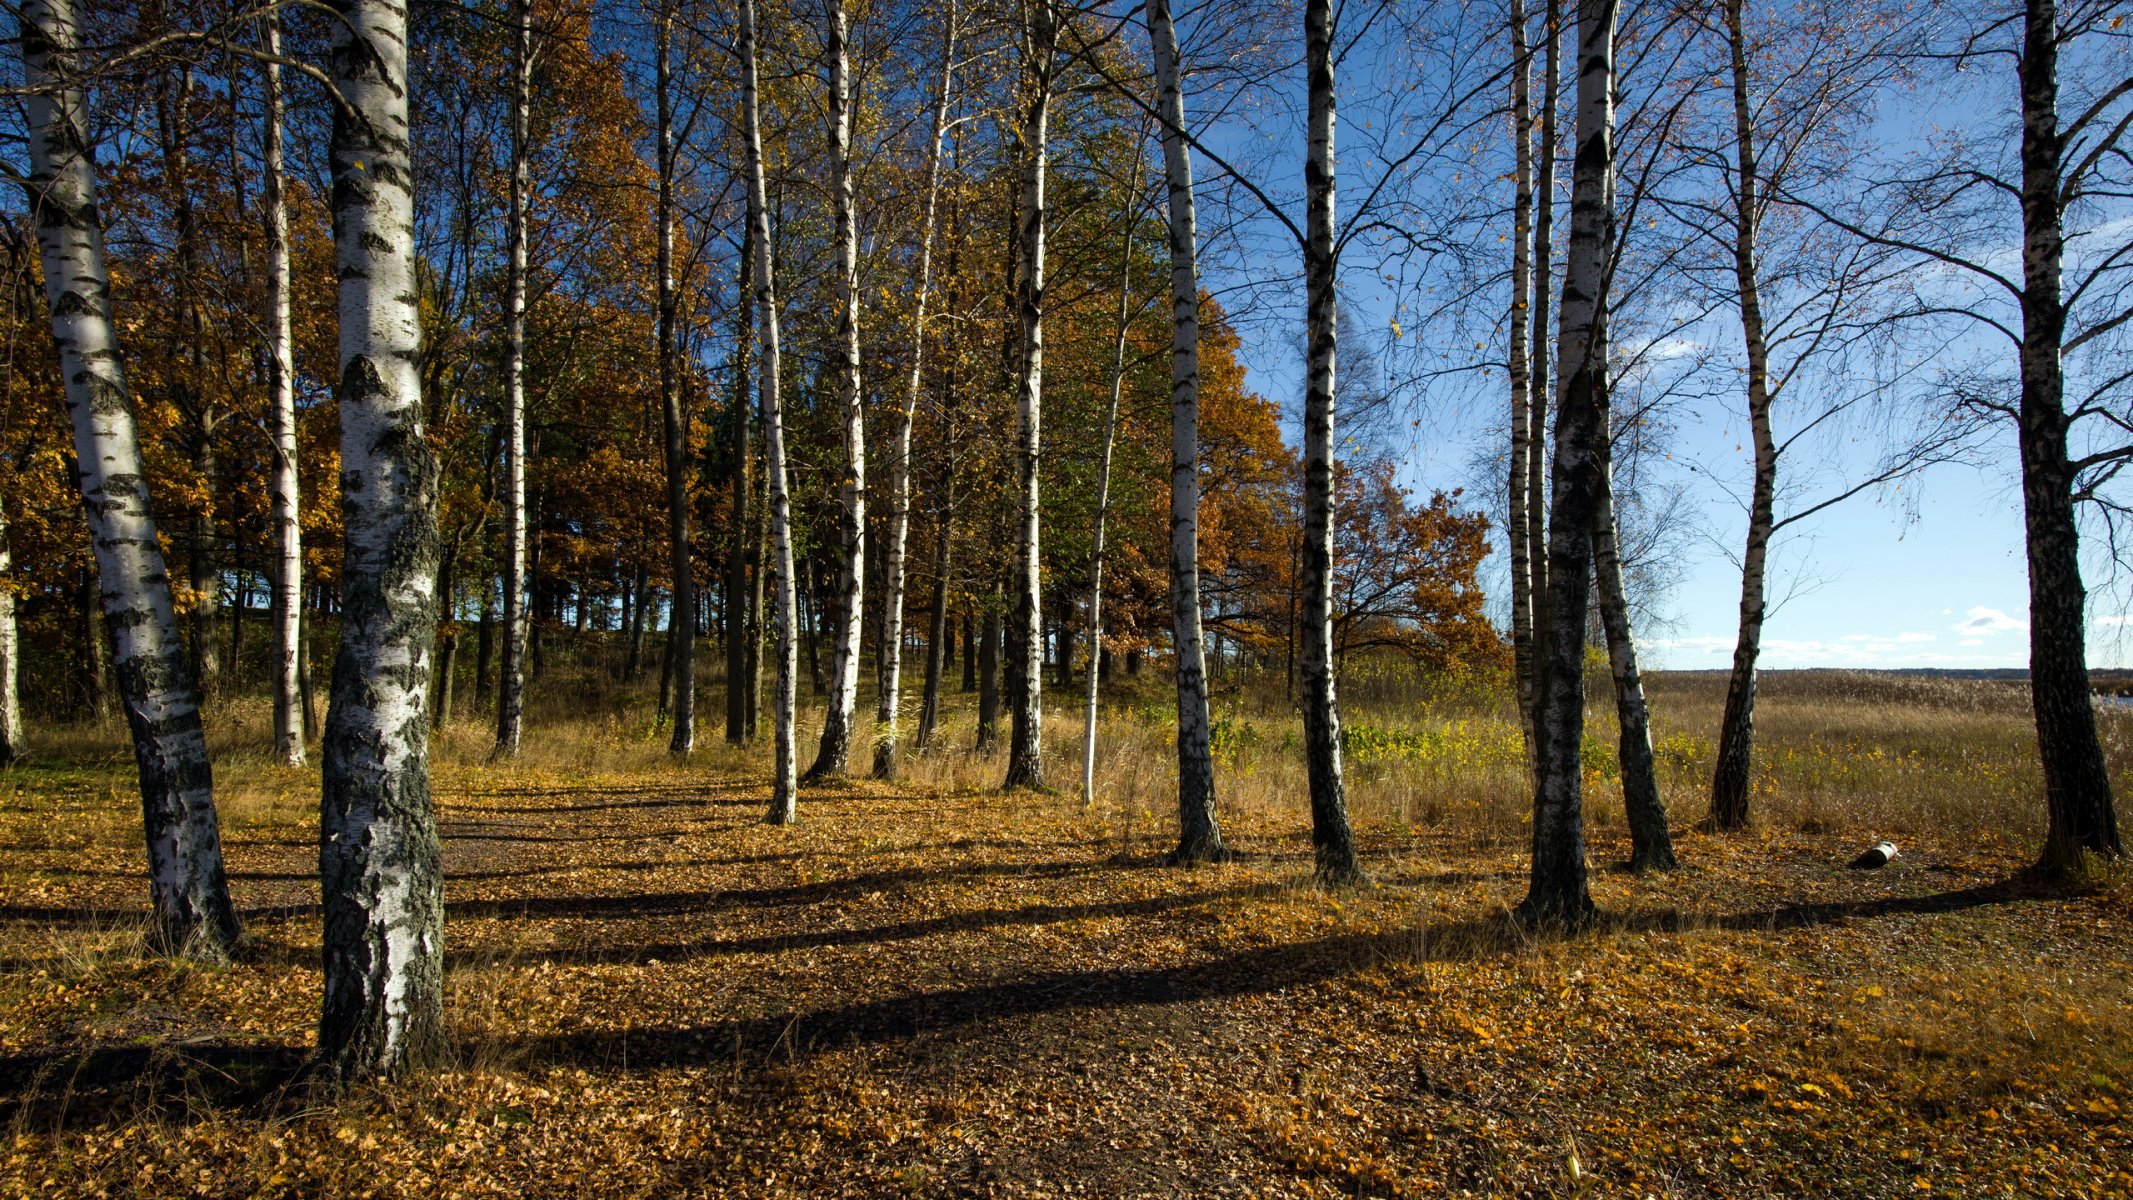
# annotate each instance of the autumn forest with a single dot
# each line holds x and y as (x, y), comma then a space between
(738, 597)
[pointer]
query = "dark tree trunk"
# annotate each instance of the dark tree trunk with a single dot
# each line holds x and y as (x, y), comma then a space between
(988, 659)
(2077, 782)
(1558, 894)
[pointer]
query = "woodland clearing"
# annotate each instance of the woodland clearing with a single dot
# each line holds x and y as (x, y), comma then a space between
(931, 988)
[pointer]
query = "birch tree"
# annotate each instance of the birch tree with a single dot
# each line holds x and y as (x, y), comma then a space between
(891, 652)
(833, 759)
(1558, 893)
(1040, 39)
(379, 872)
(189, 896)
(1332, 839)
(1516, 523)
(511, 689)
(785, 766)
(288, 579)
(1199, 830)
(1103, 473)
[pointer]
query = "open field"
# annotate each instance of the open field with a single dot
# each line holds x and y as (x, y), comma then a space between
(928, 988)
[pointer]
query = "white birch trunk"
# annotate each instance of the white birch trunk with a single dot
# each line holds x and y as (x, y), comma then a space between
(190, 897)
(785, 771)
(378, 852)
(511, 684)
(1558, 893)
(891, 652)
(834, 757)
(1025, 747)
(1736, 731)
(1332, 840)
(1103, 485)
(1199, 832)
(288, 579)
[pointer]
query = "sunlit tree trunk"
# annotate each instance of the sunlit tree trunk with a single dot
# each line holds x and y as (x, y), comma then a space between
(1025, 758)
(1332, 840)
(1651, 847)
(288, 577)
(674, 420)
(379, 872)
(891, 652)
(1516, 529)
(1199, 832)
(1558, 892)
(1103, 492)
(2077, 783)
(1736, 730)
(190, 897)
(518, 579)
(835, 754)
(785, 769)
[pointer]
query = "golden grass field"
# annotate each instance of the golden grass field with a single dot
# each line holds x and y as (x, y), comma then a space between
(928, 988)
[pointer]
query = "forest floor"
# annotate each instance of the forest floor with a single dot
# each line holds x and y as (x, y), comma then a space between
(970, 994)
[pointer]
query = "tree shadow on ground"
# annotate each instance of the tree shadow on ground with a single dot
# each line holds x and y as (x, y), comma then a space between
(71, 1085)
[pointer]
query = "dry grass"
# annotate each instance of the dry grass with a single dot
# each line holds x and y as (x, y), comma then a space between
(927, 988)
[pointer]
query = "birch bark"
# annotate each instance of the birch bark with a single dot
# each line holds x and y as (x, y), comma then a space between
(784, 778)
(1025, 757)
(1199, 830)
(187, 890)
(511, 686)
(288, 579)
(1332, 840)
(1558, 893)
(890, 684)
(379, 873)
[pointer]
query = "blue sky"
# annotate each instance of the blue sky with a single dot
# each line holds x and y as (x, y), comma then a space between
(1931, 577)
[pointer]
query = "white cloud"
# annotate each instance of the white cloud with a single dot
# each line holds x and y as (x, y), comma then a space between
(1987, 621)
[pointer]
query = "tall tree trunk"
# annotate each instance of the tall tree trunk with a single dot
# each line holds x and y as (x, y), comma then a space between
(784, 778)
(190, 897)
(1103, 489)
(833, 758)
(1558, 893)
(1515, 523)
(379, 872)
(740, 610)
(288, 579)
(674, 420)
(1025, 756)
(1736, 730)
(1332, 841)
(1651, 847)
(890, 656)
(1540, 397)
(2077, 783)
(518, 578)
(1199, 831)
(13, 744)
